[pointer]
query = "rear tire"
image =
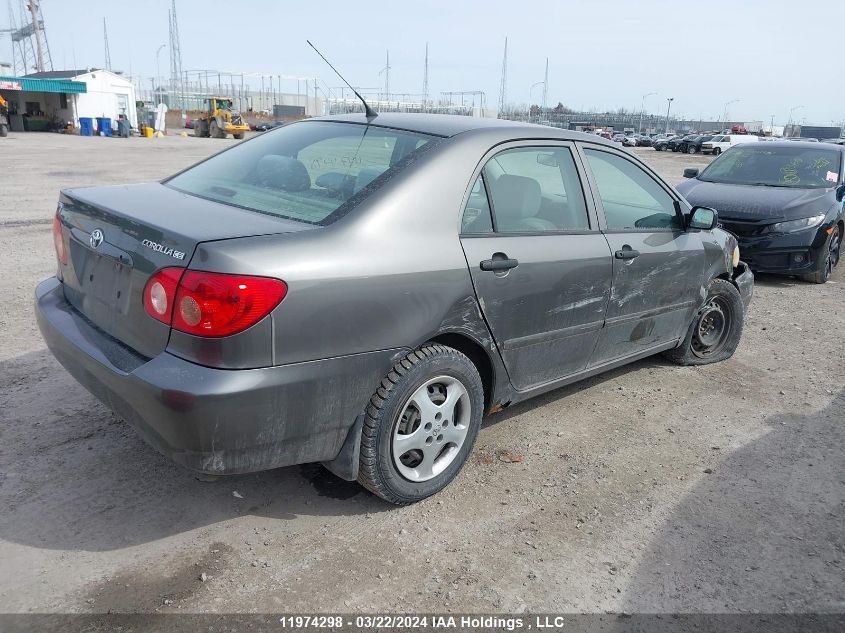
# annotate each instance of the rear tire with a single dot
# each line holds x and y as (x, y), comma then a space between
(716, 328)
(717, 151)
(214, 130)
(691, 149)
(411, 451)
(829, 253)
(239, 135)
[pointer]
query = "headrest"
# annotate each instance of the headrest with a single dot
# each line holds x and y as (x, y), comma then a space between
(283, 172)
(369, 174)
(516, 196)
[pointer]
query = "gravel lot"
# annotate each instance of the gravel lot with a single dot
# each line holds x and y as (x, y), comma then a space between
(651, 488)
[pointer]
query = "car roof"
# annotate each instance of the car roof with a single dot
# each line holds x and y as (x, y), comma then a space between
(794, 144)
(452, 124)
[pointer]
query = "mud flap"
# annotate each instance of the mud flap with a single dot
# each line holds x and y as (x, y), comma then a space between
(345, 465)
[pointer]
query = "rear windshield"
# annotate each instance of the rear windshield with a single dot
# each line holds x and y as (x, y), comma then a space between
(799, 167)
(311, 172)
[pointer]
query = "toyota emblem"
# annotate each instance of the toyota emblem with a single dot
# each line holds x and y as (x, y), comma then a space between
(96, 238)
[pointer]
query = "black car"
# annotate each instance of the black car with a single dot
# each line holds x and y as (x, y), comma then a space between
(643, 140)
(693, 146)
(264, 126)
(676, 144)
(782, 200)
(662, 143)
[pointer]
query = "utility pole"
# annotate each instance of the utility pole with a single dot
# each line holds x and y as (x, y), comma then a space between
(503, 84)
(425, 81)
(642, 111)
(386, 71)
(725, 113)
(158, 72)
(545, 87)
(668, 107)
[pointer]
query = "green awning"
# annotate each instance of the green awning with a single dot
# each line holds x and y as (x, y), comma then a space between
(42, 85)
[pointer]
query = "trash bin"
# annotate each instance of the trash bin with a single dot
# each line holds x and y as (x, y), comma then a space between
(104, 125)
(123, 128)
(86, 126)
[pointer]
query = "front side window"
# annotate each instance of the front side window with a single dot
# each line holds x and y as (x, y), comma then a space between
(312, 172)
(536, 189)
(631, 198)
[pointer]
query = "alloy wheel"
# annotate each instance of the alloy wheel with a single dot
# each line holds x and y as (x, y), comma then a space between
(431, 428)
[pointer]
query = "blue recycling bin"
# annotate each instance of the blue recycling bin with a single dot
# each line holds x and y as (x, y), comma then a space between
(104, 125)
(86, 126)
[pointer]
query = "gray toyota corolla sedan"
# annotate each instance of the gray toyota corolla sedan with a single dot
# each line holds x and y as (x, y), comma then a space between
(360, 293)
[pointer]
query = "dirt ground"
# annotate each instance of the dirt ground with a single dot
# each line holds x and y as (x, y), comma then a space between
(650, 488)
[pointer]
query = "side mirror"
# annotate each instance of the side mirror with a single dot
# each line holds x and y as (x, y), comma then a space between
(840, 192)
(691, 172)
(549, 160)
(703, 218)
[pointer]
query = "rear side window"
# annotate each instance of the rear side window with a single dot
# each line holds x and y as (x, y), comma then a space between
(631, 198)
(477, 217)
(536, 189)
(313, 172)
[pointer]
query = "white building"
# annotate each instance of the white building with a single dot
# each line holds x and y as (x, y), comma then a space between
(106, 95)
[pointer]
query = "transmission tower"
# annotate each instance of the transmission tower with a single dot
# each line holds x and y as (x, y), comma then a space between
(176, 85)
(425, 80)
(503, 85)
(106, 44)
(30, 50)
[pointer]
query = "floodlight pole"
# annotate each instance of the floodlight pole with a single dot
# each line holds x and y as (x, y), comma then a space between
(668, 107)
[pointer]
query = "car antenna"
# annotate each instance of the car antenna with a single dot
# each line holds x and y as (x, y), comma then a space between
(368, 111)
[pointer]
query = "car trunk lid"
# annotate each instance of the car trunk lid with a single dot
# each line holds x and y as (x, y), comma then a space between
(117, 237)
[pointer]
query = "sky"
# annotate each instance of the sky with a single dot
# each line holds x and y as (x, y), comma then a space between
(770, 55)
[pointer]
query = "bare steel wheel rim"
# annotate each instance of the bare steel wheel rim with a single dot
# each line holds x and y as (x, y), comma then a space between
(431, 428)
(712, 328)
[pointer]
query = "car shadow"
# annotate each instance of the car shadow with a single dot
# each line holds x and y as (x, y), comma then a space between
(762, 528)
(75, 476)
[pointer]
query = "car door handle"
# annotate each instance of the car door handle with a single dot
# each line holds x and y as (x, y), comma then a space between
(627, 253)
(498, 264)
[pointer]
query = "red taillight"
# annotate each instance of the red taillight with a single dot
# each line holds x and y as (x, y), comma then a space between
(160, 293)
(59, 240)
(210, 304)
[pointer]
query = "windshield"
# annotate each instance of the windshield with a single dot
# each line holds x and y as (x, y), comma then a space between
(800, 167)
(312, 172)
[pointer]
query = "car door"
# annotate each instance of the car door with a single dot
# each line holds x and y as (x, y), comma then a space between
(540, 267)
(657, 264)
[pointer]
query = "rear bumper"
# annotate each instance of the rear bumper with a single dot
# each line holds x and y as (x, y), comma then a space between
(214, 420)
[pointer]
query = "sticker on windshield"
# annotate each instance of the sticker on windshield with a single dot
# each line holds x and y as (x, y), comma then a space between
(832, 176)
